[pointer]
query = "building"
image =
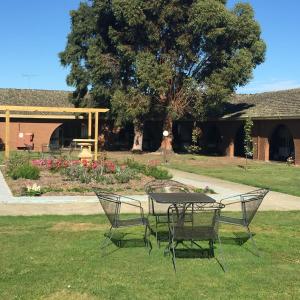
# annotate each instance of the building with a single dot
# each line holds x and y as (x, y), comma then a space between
(276, 131)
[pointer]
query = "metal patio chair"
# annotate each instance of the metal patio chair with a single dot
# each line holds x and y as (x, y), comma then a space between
(160, 211)
(112, 205)
(250, 203)
(194, 222)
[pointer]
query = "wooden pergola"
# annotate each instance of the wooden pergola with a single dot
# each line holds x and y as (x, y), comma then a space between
(8, 109)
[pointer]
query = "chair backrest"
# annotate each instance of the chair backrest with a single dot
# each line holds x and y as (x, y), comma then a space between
(111, 205)
(163, 186)
(250, 203)
(194, 221)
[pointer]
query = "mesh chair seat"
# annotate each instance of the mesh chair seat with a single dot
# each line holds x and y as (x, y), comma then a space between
(132, 222)
(196, 233)
(193, 222)
(231, 220)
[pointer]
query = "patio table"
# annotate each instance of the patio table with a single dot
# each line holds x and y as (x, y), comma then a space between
(186, 199)
(180, 198)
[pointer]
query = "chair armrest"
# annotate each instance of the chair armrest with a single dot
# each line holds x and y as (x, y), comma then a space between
(234, 202)
(134, 205)
(233, 199)
(131, 199)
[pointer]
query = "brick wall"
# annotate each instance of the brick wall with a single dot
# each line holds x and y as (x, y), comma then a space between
(42, 131)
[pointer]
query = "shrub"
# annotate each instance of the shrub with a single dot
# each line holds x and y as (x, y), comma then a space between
(16, 160)
(124, 176)
(158, 173)
(152, 171)
(26, 171)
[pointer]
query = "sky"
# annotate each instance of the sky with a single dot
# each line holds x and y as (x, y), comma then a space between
(33, 32)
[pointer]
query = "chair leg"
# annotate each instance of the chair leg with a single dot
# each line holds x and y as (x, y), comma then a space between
(173, 255)
(147, 238)
(211, 248)
(252, 239)
(105, 243)
(222, 254)
(156, 232)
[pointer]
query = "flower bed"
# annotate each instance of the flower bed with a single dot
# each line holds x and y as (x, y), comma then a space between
(73, 177)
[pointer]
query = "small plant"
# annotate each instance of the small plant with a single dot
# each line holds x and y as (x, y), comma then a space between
(79, 190)
(152, 171)
(26, 171)
(206, 190)
(195, 148)
(248, 144)
(34, 190)
(124, 176)
(15, 161)
(157, 173)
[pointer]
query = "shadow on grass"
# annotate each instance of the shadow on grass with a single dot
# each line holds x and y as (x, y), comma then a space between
(125, 240)
(198, 253)
(239, 238)
(193, 253)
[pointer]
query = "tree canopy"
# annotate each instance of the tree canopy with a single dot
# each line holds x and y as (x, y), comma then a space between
(171, 58)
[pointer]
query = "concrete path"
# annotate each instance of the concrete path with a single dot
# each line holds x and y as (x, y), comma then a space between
(273, 200)
(65, 205)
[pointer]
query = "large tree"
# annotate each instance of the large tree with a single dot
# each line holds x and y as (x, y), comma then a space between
(174, 57)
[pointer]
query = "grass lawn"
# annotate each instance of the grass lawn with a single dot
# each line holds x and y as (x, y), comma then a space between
(58, 257)
(275, 176)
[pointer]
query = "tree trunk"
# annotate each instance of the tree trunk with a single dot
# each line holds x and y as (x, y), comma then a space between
(137, 146)
(166, 143)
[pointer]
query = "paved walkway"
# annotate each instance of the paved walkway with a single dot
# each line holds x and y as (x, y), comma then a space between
(65, 205)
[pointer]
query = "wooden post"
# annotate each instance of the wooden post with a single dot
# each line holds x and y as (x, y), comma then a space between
(7, 127)
(96, 134)
(90, 126)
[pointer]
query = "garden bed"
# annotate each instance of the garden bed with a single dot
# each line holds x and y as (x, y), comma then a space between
(54, 177)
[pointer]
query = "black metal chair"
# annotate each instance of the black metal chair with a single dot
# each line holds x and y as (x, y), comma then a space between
(160, 211)
(250, 203)
(194, 222)
(112, 205)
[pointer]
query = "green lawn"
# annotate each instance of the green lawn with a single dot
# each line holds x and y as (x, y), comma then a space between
(275, 176)
(54, 257)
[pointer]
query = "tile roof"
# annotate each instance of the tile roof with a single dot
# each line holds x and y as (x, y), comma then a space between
(28, 97)
(269, 105)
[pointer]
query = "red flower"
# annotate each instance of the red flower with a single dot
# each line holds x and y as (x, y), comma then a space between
(110, 166)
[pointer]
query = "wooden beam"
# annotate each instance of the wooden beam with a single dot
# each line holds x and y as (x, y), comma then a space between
(7, 127)
(29, 116)
(51, 109)
(96, 135)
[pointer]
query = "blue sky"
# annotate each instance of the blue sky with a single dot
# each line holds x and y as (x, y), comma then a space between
(34, 31)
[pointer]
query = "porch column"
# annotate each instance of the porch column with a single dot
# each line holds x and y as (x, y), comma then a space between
(7, 135)
(90, 126)
(96, 134)
(230, 151)
(267, 150)
(297, 150)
